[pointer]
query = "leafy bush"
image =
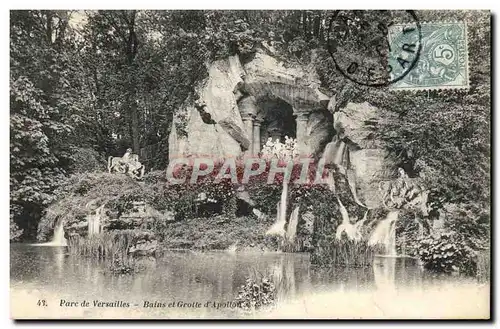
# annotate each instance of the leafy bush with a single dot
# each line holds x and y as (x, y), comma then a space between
(447, 253)
(87, 160)
(462, 248)
(15, 231)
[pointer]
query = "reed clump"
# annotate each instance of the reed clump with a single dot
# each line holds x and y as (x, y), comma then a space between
(109, 245)
(345, 252)
(113, 248)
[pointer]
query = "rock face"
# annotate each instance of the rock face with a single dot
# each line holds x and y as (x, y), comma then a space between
(242, 100)
(263, 98)
(358, 123)
(190, 135)
(236, 132)
(358, 152)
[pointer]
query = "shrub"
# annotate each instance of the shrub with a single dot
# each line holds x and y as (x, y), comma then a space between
(447, 253)
(15, 231)
(87, 160)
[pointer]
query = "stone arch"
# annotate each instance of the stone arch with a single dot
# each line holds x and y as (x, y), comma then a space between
(277, 109)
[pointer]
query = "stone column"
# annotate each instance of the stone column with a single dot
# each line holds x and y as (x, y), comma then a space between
(301, 120)
(256, 136)
(248, 110)
(248, 126)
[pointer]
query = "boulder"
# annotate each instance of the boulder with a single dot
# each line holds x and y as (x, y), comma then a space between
(358, 123)
(319, 131)
(357, 148)
(143, 244)
(231, 127)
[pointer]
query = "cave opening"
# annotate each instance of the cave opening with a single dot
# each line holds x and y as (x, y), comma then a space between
(278, 120)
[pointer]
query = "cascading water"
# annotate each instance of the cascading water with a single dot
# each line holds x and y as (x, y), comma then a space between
(94, 221)
(353, 231)
(385, 234)
(291, 231)
(58, 240)
(278, 227)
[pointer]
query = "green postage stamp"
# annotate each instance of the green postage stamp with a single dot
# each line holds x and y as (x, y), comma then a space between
(442, 62)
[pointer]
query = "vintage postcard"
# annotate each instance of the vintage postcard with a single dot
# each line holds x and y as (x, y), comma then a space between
(264, 164)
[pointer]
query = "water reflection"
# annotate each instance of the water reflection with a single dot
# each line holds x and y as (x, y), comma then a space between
(212, 276)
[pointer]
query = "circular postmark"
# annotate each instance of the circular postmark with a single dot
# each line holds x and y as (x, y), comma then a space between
(374, 48)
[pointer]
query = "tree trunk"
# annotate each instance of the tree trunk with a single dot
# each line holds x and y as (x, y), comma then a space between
(131, 101)
(317, 24)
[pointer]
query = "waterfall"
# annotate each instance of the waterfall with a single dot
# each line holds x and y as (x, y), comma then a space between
(353, 231)
(278, 227)
(291, 231)
(283, 201)
(385, 233)
(94, 221)
(58, 240)
(232, 248)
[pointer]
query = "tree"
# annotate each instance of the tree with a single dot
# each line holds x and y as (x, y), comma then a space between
(43, 109)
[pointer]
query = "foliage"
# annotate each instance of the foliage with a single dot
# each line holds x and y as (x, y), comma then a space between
(470, 222)
(44, 109)
(447, 253)
(114, 245)
(87, 160)
(462, 247)
(88, 84)
(15, 231)
(409, 229)
(256, 294)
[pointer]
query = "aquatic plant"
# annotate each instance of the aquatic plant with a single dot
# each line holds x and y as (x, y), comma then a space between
(256, 293)
(109, 245)
(124, 266)
(345, 252)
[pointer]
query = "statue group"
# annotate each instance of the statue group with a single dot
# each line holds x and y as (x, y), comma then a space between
(127, 164)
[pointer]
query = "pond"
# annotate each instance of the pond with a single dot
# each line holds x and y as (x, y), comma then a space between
(48, 282)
